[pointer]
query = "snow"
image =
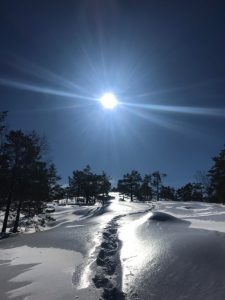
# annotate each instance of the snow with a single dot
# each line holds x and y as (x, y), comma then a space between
(166, 256)
(46, 221)
(130, 252)
(160, 250)
(47, 272)
(207, 216)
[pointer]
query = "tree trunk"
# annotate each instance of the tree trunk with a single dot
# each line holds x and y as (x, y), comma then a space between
(10, 196)
(131, 197)
(5, 222)
(16, 224)
(29, 207)
(157, 192)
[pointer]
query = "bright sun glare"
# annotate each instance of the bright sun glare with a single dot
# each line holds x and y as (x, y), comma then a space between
(109, 101)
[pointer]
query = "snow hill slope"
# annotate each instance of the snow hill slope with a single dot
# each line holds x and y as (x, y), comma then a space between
(124, 250)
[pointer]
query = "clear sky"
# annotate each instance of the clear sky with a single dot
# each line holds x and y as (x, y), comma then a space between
(164, 60)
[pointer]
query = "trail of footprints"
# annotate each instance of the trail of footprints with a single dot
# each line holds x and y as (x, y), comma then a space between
(108, 261)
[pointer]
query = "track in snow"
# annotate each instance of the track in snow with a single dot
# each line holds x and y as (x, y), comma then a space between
(108, 265)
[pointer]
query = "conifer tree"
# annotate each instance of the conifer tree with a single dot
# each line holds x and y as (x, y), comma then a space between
(157, 179)
(29, 180)
(145, 190)
(217, 178)
(130, 184)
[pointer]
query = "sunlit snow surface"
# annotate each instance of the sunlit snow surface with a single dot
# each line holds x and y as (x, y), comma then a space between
(157, 258)
(48, 273)
(208, 216)
(134, 254)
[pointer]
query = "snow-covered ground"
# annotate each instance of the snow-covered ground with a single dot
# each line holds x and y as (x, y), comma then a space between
(124, 250)
(208, 216)
(176, 251)
(44, 270)
(46, 221)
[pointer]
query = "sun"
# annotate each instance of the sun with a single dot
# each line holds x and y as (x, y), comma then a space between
(109, 101)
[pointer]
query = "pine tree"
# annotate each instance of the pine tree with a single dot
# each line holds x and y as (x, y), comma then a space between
(15, 153)
(23, 151)
(88, 185)
(75, 188)
(157, 178)
(130, 184)
(167, 193)
(185, 193)
(145, 190)
(190, 192)
(3, 162)
(104, 184)
(217, 178)
(30, 181)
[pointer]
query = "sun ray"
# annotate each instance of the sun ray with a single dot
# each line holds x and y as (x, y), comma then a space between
(178, 88)
(204, 111)
(41, 89)
(39, 72)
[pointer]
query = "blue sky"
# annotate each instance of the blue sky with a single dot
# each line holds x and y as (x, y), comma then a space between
(164, 60)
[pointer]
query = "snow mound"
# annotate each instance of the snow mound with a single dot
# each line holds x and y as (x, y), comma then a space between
(159, 216)
(92, 211)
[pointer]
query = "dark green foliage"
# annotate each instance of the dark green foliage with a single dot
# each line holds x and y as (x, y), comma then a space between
(198, 192)
(190, 192)
(27, 180)
(203, 181)
(104, 184)
(145, 190)
(217, 179)
(184, 193)
(88, 185)
(157, 178)
(55, 191)
(130, 184)
(167, 193)
(3, 115)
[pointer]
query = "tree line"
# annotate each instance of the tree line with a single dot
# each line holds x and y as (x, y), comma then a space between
(151, 187)
(208, 187)
(89, 186)
(28, 180)
(133, 185)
